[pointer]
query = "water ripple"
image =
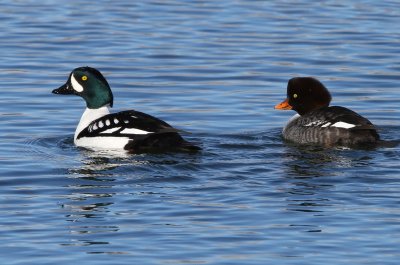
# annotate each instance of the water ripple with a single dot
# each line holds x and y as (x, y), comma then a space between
(215, 69)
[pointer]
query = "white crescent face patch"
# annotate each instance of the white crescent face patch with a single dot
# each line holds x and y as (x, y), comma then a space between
(75, 85)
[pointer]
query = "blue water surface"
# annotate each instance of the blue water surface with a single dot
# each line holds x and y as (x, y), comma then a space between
(215, 69)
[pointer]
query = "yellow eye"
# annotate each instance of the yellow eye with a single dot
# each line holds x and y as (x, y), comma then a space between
(84, 78)
(294, 95)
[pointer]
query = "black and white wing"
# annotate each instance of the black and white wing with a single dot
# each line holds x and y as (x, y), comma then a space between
(336, 117)
(132, 124)
(331, 125)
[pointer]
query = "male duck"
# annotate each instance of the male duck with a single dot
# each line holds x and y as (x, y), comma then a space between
(317, 123)
(130, 130)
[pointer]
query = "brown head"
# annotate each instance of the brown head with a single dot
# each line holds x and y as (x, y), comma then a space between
(305, 94)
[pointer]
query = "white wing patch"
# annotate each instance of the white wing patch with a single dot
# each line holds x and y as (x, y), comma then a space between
(324, 124)
(134, 131)
(107, 122)
(314, 123)
(345, 125)
(75, 85)
(111, 130)
(117, 126)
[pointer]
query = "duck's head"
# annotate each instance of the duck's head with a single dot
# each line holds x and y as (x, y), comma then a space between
(90, 84)
(305, 94)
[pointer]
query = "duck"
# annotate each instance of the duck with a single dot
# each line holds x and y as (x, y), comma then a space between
(317, 123)
(129, 130)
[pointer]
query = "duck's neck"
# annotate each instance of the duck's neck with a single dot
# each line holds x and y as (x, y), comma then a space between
(90, 115)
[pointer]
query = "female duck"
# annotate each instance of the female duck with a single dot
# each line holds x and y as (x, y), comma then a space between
(129, 130)
(317, 123)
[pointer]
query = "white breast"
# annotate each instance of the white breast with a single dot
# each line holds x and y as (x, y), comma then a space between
(102, 142)
(87, 117)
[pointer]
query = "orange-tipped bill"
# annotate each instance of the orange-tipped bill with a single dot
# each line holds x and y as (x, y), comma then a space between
(284, 105)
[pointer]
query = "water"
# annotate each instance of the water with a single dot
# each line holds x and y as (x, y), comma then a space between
(216, 69)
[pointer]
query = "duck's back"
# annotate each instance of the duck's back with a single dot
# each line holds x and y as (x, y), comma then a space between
(330, 126)
(133, 131)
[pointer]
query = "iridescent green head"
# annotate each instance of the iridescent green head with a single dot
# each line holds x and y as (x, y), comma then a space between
(90, 84)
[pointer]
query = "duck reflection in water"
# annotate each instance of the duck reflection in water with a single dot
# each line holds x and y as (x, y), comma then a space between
(101, 183)
(91, 198)
(312, 174)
